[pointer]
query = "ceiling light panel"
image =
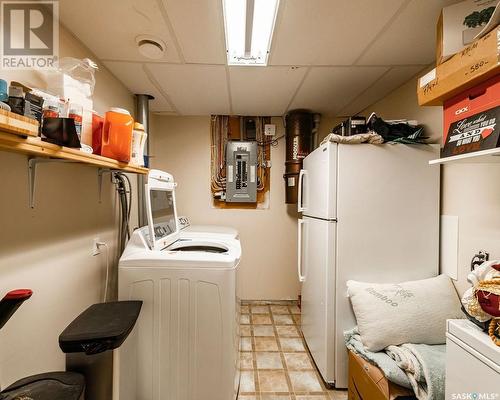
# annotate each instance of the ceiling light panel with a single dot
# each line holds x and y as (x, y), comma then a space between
(249, 26)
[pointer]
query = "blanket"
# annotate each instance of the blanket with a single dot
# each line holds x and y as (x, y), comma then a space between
(420, 367)
(388, 366)
(424, 366)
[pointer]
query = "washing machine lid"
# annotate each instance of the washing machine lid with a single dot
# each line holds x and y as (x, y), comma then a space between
(186, 253)
(470, 334)
(210, 231)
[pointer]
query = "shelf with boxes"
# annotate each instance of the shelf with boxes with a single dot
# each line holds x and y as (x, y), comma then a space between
(39, 151)
(467, 85)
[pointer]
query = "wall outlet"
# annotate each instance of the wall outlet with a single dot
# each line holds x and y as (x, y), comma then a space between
(269, 129)
(95, 248)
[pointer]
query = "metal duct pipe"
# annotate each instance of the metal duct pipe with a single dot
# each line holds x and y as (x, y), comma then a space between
(299, 126)
(142, 116)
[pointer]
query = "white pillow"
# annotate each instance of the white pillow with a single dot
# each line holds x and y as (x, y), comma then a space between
(408, 312)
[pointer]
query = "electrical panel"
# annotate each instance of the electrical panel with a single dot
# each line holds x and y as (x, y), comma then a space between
(241, 172)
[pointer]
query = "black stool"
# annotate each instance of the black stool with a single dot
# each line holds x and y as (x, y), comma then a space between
(49, 386)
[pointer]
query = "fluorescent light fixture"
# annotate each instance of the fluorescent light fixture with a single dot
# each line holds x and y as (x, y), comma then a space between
(249, 26)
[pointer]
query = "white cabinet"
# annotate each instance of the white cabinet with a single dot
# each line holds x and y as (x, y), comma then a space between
(472, 362)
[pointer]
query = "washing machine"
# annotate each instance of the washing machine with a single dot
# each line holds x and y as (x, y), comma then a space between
(185, 344)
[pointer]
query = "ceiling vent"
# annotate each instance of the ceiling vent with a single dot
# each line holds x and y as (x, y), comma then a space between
(151, 47)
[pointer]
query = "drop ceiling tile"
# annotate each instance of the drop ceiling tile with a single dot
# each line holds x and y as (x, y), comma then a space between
(109, 28)
(411, 38)
(390, 81)
(327, 32)
(199, 28)
(328, 89)
(194, 89)
(263, 90)
(133, 76)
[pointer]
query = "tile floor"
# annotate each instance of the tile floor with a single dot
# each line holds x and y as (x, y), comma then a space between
(275, 364)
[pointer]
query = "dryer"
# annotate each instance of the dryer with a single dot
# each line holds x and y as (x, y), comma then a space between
(186, 340)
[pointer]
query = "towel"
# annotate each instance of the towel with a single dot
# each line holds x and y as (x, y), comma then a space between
(371, 138)
(424, 366)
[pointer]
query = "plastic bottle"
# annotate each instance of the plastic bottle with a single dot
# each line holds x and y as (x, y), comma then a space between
(117, 134)
(139, 138)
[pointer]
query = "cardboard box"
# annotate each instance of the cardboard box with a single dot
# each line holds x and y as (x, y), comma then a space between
(367, 382)
(474, 64)
(472, 119)
(460, 24)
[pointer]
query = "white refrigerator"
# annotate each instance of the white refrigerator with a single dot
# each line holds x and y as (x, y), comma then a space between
(369, 213)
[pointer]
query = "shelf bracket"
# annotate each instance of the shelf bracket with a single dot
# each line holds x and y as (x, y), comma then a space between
(100, 173)
(33, 162)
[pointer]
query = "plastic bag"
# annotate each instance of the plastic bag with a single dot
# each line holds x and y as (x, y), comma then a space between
(82, 71)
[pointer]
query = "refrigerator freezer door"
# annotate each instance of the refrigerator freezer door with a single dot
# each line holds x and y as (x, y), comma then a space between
(318, 183)
(388, 229)
(318, 296)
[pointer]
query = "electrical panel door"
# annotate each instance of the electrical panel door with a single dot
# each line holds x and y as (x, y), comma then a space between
(241, 172)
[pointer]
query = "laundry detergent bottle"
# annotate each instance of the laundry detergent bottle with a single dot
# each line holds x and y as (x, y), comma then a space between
(117, 134)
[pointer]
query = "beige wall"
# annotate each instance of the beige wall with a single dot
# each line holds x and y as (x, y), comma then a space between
(181, 146)
(48, 249)
(469, 191)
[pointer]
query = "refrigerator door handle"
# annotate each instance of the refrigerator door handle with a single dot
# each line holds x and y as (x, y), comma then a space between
(300, 205)
(302, 278)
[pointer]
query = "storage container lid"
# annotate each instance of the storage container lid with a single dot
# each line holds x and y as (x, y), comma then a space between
(119, 110)
(101, 327)
(138, 126)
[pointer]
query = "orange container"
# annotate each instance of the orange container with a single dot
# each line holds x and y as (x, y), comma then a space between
(117, 134)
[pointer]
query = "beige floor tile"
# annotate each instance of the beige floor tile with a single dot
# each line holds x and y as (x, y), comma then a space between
(267, 360)
(247, 382)
(272, 381)
(265, 344)
(246, 360)
(246, 344)
(298, 361)
(338, 394)
(260, 309)
(244, 319)
(280, 310)
(280, 319)
(294, 309)
(263, 330)
(287, 331)
(305, 381)
(292, 344)
(245, 309)
(275, 397)
(244, 397)
(261, 319)
(312, 397)
(245, 330)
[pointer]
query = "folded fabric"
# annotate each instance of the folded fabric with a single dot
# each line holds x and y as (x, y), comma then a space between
(424, 366)
(388, 366)
(408, 312)
(371, 138)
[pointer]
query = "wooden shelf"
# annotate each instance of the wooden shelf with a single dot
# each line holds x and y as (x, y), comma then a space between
(478, 157)
(35, 147)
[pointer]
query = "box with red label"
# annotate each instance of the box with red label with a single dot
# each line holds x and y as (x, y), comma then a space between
(471, 119)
